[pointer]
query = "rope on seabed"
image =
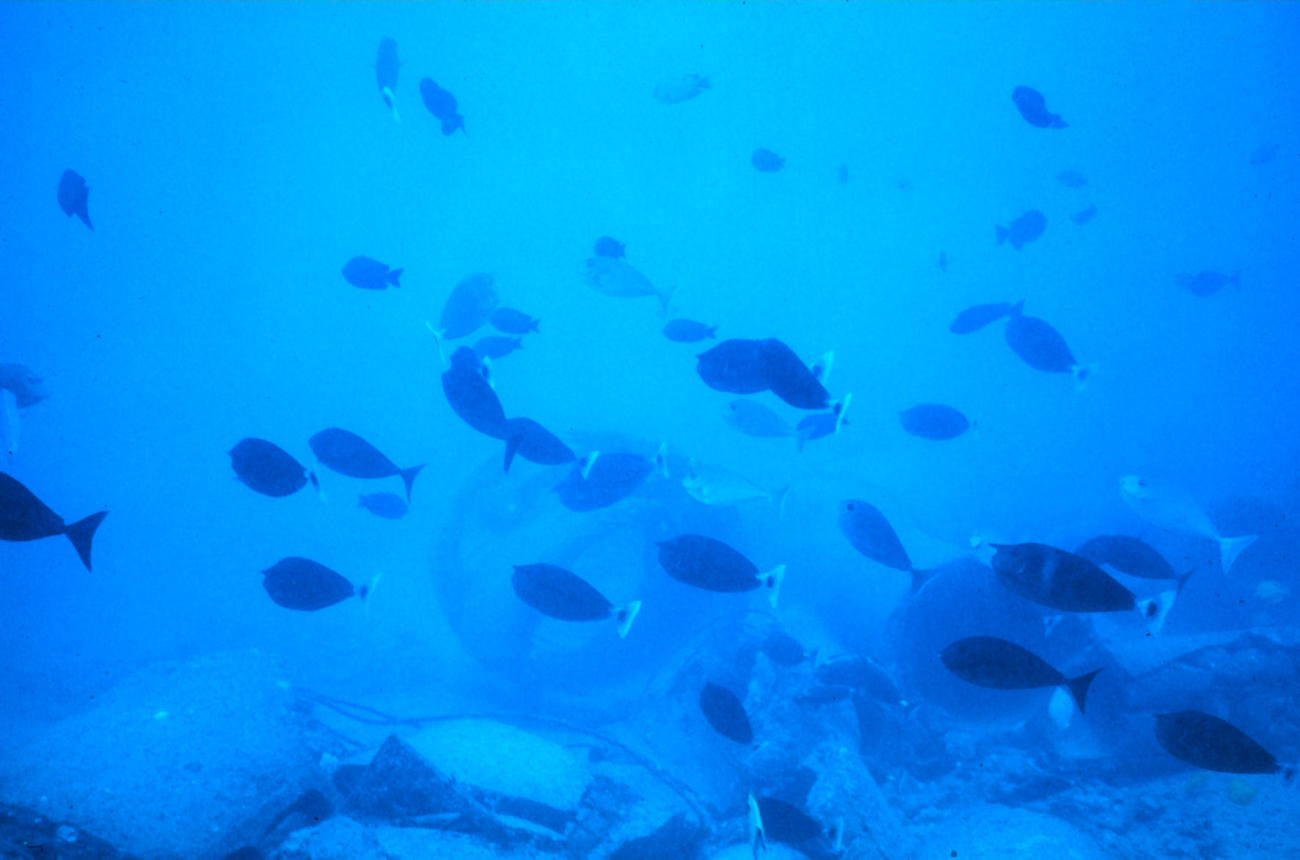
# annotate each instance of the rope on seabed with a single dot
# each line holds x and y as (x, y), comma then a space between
(373, 717)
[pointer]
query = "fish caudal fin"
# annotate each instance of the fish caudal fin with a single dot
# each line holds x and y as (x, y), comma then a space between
(778, 499)
(1155, 610)
(408, 478)
(437, 336)
(920, 578)
(512, 447)
(626, 616)
(393, 277)
(822, 369)
(757, 838)
(1231, 547)
(366, 591)
(773, 579)
(1078, 687)
(587, 462)
(665, 296)
(316, 485)
(82, 532)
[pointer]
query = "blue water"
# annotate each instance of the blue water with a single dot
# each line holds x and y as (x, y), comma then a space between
(238, 155)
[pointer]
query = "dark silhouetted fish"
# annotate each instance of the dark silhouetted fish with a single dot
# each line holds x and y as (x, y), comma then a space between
(734, 366)
(1083, 216)
(1128, 555)
(24, 517)
(1040, 346)
(872, 535)
(511, 321)
(534, 443)
(28, 388)
(607, 247)
(1212, 744)
(783, 649)
(790, 379)
(386, 66)
(370, 274)
(766, 161)
(1071, 179)
(987, 661)
(1264, 153)
(1208, 283)
(726, 714)
(713, 566)
(564, 596)
(1026, 228)
(385, 505)
(302, 584)
(1033, 107)
(348, 454)
(442, 105)
(862, 674)
(471, 397)
(469, 306)
(976, 317)
(934, 421)
(496, 347)
(689, 331)
(784, 822)
(676, 90)
(605, 479)
(1062, 580)
(268, 468)
(615, 277)
(74, 196)
(311, 805)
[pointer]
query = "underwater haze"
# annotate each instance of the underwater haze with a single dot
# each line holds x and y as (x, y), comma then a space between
(633, 430)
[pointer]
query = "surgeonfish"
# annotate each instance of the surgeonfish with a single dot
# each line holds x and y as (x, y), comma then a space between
(1023, 230)
(511, 321)
(348, 454)
(870, 533)
(934, 421)
(534, 443)
(976, 317)
(492, 346)
(266, 468)
(1033, 107)
(822, 424)
(606, 479)
(468, 307)
(1207, 742)
(304, 585)
(613, 276)
(471, 397)
(74, 196)
(1128, 555)
(442, 105)
(560, 594)
(386, 505)
(1173, 509)
(369, 274)
(24, 517)
(726, 714)
(1041, 346)
(712, 565)
(987, 661)
(734, 366)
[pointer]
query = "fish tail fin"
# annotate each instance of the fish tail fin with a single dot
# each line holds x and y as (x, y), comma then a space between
(1078, 687)
(778, 499)
(1017, 309)
(1002, 234)
(535, 325)
(587, 462)
(82, 532)
(773, 579)
(801, 438)
(661, 458)
(840, 409)
(367, 591)
(393, 277)
(920, 578)
(757, 838)
(316, 485)
(1231, 547)
(822, 369)
(626, 616)
(408, 478)
(437, 337)
(711, 332)
(1156, 610)
(512, 447)
(665, 297)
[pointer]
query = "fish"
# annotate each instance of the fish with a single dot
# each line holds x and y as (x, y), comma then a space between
(822, 424)
(1083, 216)
(677, 90)
(766, 161)
(266, 468)
(302, 584)
(783, 649)
(311, 805)
(496, 347)
(790, 379)
(370, 274)
(1033, 107)
(1264, 153)
(1210, 743)
(386, 66)
(1173, 509)
(754, 419)
(997, 664)
(511, 321)
(754, 827)
(934, 421)
(442, 105)
(24, 517)
(565, 596)
(859, 673)
(726, 714)
(28, 388)
(1041, 347)
(1024, 229)
(712, 565)
(615, 277)
(976, 317)
(607, 479)
(385, 505)
(1071, 179)
(689, 331)
(713, 485)
(534, 443)
(74, 195)
(607, 247)
(870, 533)
(1061, 580)
(734, 366)
(466, 388)
(469, 306)
(348, 454)
(1128, 555)
(785, 822)
(1208, 283)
